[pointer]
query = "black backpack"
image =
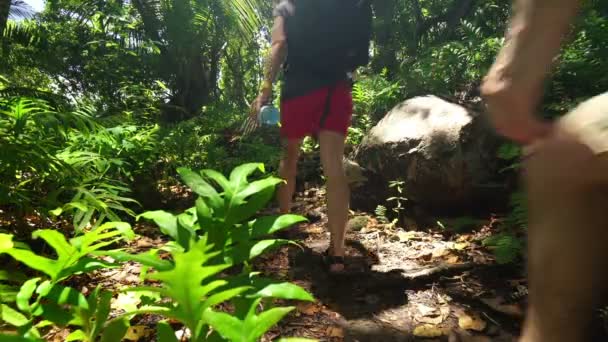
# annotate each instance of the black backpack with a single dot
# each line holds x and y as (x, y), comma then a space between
(329, 37)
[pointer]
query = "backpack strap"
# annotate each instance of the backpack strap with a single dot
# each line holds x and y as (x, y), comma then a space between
(327, 109)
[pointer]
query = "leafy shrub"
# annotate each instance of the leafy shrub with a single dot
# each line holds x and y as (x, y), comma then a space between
(209, 241)
(505, 246)
(44, 301)
(66, 161)
(219, 232)
(373, 97)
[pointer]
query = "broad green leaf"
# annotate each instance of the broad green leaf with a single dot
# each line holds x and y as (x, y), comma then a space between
(25, 294)
(250, 250)
(12, 316)
(223, 296)
(56, 314)
(239, 175)
(258, 326)
(86, 265)
(203, 213)
(148, 259)
(56, 211)
(34, 261)
(265, 245)
(270, 224)
(220, 179)
(226, 325)
(13, 276)
(187, 221)
(103, 311)
(77, 335)
(270, 288)
(165, 332)
(8, 293)
(63, 295)
(6, 242)
(123, 227)
(251, 206)
(254, 188)
(197, 183)
(115, 330)
(167, 222)
(14, 338)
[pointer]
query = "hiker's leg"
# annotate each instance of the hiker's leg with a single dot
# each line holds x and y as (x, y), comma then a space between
(288, 171)
(568, 234)
(338, 193)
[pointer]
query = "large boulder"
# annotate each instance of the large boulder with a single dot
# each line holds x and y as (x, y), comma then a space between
(445, 153)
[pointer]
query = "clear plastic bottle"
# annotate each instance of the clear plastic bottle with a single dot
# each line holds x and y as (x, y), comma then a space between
(269, 115)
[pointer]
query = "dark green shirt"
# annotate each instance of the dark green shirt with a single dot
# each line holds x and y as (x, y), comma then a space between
(301, 82)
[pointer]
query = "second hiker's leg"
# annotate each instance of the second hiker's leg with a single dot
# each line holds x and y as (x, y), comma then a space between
(287, 172)
(568, 230)
(338, 193)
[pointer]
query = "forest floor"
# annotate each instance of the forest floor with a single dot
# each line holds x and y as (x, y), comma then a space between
(399, 286)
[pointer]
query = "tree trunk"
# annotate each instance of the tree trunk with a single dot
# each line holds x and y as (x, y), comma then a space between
(385, 10)
(5, 8)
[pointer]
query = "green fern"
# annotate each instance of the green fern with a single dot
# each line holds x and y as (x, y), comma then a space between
(381, 213)
(505, 247)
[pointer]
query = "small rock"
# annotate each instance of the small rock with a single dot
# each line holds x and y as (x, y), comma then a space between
(428, 330)
(314, 215)
(357, 223)
(471, 323)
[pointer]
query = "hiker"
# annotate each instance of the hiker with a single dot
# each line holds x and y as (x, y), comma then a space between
(317, 43)
(566, 175)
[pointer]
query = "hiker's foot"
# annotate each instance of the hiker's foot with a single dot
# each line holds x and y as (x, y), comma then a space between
(334, 263)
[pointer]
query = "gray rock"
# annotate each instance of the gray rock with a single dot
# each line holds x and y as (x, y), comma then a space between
(445, 153)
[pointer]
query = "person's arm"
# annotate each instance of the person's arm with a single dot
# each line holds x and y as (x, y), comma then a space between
(278, 53)
(513, 86)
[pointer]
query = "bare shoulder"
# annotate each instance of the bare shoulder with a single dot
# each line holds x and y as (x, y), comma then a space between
(285, 8)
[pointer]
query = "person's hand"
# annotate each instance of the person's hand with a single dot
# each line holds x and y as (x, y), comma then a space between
(262, 99)
(512, 113)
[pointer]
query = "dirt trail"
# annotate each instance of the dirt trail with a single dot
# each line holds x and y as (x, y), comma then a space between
(400, 286)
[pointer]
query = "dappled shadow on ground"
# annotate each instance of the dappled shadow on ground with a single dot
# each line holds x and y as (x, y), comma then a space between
(359, 292)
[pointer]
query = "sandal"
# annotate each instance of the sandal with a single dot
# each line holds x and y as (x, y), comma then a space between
(332, 260)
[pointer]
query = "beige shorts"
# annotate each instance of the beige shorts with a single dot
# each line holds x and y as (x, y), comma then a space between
(588, 122)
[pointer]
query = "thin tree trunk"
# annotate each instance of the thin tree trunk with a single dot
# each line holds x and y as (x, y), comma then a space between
(5, 8)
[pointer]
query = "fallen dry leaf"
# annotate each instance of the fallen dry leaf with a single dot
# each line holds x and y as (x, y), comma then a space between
(335, 332)
(452, 259)
(308, 309)
(507, 309)
(429, 315)
(426, 310)
(460, 246)
(428, 330)
(471, 323)
(438, 252)
(445, 311)
(137, 332)
(434, 319)
(406, 236)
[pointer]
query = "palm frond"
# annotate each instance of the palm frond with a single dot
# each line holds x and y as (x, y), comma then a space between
(26, 33)
(20, 9)
(247, 14)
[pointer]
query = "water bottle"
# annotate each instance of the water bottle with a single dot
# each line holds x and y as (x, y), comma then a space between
(269, 115)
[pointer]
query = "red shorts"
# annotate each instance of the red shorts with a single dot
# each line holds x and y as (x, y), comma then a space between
(301, 116)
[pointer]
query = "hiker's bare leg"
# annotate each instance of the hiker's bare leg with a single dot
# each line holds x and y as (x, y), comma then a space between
(287, 171)
(568, 235)
(338, 192)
